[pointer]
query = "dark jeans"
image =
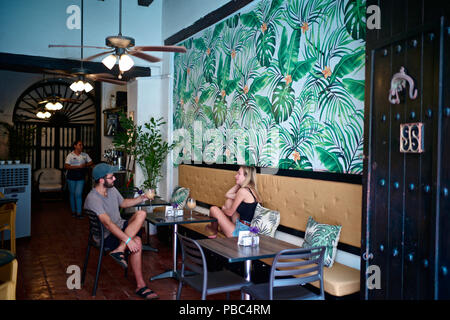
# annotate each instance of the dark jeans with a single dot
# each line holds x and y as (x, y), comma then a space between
(112, 242)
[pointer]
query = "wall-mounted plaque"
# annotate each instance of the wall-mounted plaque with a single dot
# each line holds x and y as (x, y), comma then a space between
(411, 137)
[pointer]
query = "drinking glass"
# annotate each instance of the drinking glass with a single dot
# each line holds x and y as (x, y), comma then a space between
(150, 195)
(191, 204)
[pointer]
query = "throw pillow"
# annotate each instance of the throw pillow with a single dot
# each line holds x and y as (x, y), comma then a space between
(180, 196)
(266, 220)
(318, 234)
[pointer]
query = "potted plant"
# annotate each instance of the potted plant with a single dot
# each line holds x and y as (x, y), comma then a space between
(143, 144)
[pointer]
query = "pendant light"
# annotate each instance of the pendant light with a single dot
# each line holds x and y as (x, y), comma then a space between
(80, 84)
(53, 106)
(120, 54)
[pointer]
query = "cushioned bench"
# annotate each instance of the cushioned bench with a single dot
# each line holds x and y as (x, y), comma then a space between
(296, 199)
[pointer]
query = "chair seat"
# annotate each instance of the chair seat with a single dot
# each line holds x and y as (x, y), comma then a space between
(218, 282)
(49, 187)
(261, 292)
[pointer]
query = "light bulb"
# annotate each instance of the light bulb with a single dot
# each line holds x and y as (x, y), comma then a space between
(109, 61)
(47, 114)
(40, 115)
(88, 87)
(125, 62)
(57, 106)
(80, 85)
(73, 86)
(49, 106)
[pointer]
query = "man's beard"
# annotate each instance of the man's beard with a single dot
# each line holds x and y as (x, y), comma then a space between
(108, 185)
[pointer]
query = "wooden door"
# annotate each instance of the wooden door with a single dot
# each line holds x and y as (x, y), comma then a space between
(402, 189)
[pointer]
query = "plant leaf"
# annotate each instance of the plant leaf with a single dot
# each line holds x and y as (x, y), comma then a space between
(354, 87)
(329, 160)
(302, 68)
(348, 64)
(264, 104)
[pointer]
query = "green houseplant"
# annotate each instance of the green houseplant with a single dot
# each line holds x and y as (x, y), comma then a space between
(145, 145)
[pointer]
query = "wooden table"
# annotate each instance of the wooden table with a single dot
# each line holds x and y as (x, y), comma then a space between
(160, 219)
(228, 247)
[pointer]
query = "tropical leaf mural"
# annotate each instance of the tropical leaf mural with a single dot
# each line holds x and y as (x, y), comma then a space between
(278, 84)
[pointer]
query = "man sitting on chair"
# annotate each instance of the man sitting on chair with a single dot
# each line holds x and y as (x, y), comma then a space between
(104, 199)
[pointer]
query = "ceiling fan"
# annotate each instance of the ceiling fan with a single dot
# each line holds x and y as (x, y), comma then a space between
(81, 74)
(120, 48)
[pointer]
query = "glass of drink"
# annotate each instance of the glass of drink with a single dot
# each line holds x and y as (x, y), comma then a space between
(191, 204)
(150, 195)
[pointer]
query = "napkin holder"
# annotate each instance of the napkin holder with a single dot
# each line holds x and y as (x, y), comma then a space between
(248, 239)
(173, 212)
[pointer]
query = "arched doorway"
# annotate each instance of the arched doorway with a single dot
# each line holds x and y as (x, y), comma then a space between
(46, 142)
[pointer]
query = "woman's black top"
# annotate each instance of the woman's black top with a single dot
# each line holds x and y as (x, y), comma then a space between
(247, 210)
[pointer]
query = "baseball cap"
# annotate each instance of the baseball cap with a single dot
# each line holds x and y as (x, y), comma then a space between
(102, 169)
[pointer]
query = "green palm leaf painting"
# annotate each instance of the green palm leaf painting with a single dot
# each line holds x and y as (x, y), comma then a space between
(279, 84)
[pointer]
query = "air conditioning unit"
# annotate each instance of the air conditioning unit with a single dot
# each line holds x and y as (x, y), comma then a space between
(15, 182)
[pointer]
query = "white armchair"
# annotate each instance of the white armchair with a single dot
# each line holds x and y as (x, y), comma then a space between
(49, 180)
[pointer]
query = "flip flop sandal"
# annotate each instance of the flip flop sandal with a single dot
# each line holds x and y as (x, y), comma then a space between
(119, 257)
(141, 293)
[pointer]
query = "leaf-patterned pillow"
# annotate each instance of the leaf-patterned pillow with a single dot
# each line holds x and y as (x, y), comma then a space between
(180, 196)
(266, 220)
(318, 234)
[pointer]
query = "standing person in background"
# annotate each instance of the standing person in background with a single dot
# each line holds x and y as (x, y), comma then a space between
(76, 165)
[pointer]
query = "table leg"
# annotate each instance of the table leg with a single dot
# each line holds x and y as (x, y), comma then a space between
(248, 271)
(171, 273)
(147, 246)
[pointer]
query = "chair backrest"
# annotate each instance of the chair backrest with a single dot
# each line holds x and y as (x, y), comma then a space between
(192, 257)
(8, 280)
(48, 175)
(96, 229)
(297, 267)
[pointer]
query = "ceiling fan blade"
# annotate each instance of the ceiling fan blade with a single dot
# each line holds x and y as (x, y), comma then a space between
(144, 56)
(75, 46)
(58, 72)
(93, 76)
(97, 55)
(122, 83)
(161, 48)
(70, 100)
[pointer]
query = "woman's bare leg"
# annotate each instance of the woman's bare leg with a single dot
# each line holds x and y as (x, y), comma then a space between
(226, 225)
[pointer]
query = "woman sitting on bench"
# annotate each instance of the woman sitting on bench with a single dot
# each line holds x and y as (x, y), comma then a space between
(240, 204)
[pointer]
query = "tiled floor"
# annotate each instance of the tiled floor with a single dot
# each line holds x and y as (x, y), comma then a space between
(59, 240)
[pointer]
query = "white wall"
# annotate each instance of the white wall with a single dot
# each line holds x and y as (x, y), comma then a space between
(12, 85)
(179, 14)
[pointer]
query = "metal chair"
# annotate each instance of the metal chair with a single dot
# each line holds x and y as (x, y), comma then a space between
(291, 270)
(96, 239)
(206, 282)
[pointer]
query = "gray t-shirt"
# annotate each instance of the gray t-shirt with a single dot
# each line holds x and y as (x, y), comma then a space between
(109, 205)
